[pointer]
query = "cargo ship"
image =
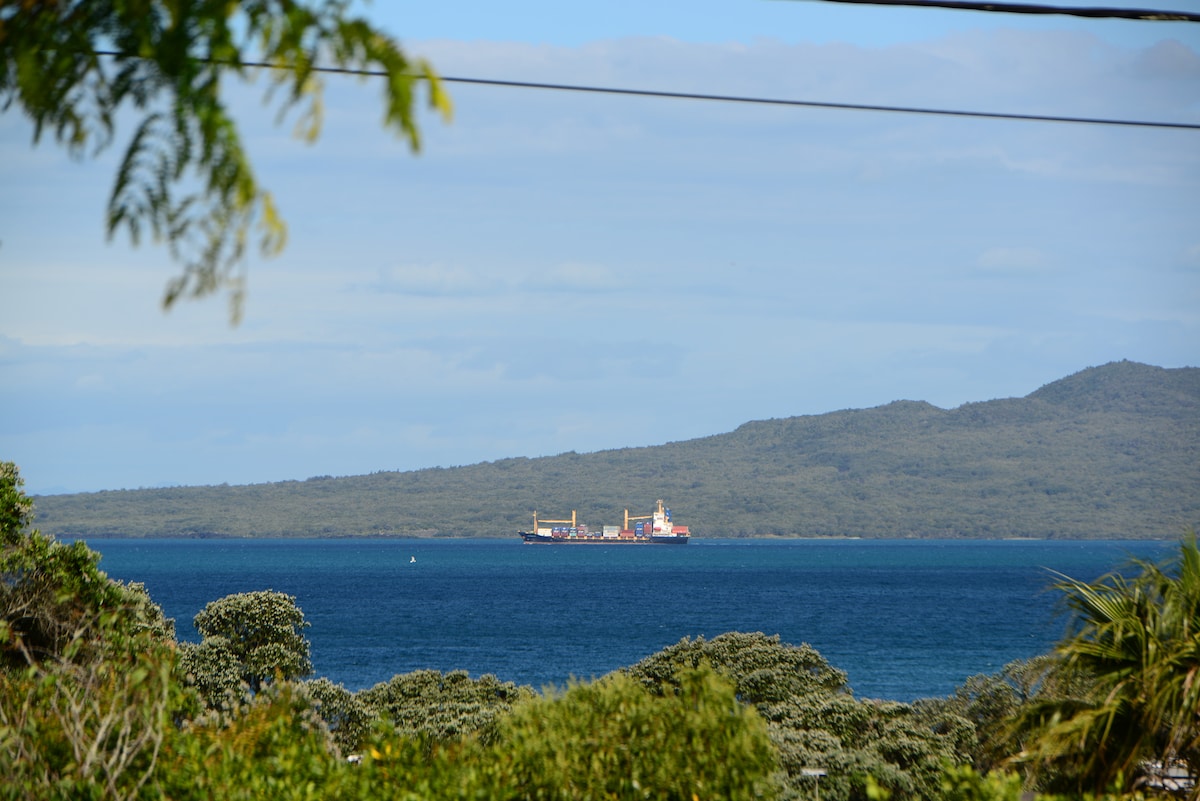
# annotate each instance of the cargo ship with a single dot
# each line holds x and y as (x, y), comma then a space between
(652, 529)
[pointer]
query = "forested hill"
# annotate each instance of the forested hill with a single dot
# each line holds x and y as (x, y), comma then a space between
(1110, 452)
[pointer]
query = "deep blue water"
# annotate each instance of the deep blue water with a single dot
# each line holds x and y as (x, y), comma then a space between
(905, 618)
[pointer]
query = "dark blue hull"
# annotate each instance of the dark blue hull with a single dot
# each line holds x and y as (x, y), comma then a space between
(532, 538)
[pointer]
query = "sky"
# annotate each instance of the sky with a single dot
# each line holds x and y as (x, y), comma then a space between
(562, 271)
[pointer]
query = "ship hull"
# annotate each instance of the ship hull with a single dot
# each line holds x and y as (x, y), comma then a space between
(531, 538)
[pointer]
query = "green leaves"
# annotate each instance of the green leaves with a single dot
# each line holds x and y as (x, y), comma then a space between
(86, 688)
(56, 603)
(16, 508)
(185, 175)
(76, 731)
(814, 721)
(427, 703)
(345, 714)
(261, 631)
(612, 739)
(272, 747)
(1139, 638)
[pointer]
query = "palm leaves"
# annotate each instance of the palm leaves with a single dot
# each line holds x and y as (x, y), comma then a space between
(1139, 638)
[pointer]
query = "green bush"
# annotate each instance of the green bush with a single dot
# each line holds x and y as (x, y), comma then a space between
(963, 783)
(348, 719)
(612, 739)
(443, 706)
(275, 747)
(82, 729)
(400, 768)
(815, 722)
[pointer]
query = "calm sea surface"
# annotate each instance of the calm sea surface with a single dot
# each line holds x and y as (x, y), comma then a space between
(905, 618)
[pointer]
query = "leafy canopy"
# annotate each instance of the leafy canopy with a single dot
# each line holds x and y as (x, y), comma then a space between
(428, 703)
(261, 632)
(86, 693)
(185, 176)
(54, 599)
(815, 722)
(16, 508)
(612, 739)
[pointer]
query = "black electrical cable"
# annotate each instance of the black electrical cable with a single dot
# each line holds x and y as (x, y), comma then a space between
(563, 87)
(822, 104)
(1094, 12)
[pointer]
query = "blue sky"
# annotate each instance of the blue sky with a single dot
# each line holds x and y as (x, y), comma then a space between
(560, 272)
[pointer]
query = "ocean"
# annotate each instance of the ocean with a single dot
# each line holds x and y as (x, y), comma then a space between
(906, 619)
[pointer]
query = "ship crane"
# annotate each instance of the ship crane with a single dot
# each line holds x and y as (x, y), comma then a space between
(571, 521)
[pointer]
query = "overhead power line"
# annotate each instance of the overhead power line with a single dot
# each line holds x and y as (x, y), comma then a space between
(763, 101)
(821, 104)
(1095, 12)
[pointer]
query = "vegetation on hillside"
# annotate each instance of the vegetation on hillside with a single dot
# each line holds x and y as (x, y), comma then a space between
(1111, 452)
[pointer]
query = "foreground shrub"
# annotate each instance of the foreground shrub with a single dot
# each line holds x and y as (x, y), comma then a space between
(86, 691)
(613, 739)
(275, 747)
(399, 768)
(345, 715)
(442, 706)
(86, 729)
(815, 722)
(963, 783)
(610, 739)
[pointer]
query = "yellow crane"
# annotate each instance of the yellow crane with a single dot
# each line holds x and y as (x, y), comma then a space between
(571, 521)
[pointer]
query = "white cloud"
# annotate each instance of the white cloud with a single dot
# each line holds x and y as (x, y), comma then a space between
(1192, 255)
(1012, 259)
(433, 279)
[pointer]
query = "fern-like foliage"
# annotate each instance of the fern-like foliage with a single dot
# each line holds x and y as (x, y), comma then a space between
(185, 177)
